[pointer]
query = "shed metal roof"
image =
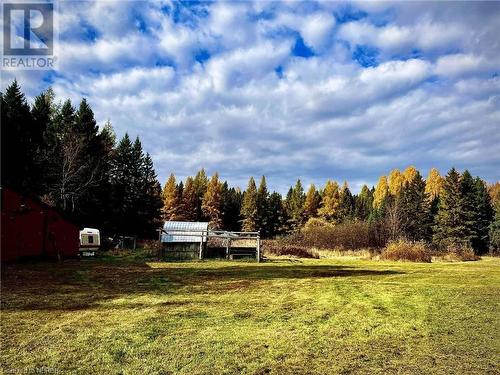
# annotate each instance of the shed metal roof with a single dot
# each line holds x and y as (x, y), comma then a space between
(185, 231)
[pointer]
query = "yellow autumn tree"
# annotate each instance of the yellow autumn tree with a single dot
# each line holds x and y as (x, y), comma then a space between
(212, 202)
(171, 200)
(396, 181)
(410, 173)
(434, 184)
(330, 201)
(312, 203)
(381, 192)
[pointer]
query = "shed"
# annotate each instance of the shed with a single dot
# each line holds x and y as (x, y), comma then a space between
(31, 228)
(183, 239)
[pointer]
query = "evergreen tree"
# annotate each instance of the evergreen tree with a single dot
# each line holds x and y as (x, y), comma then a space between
(278, 217)
(18, 134)
(200, 186)
(346, 204)
(451, 219)
(150, 199)
(494, 230)
(484, 215)
(249, 207)
(231, 207)
(312, 203)
(171, 200)
(363, 204)
(262, 221)
(413, 204)
(470, 213)
(190, 200)
(212, 203)
(295, 205)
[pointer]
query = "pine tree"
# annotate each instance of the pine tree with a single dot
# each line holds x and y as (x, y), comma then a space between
(200, 185)
(413, 204)
(278, 216)
(249, 207)
(451, 219)
(262, 207)
(469, 210)
(346, 204)
(212, 203)
(150, 199)
(484, 215)
(171, 200)
(312, 203)
(190, 200)
(295, 205)
(363, 204)
(330, 201)
(231, 207)
(17, 136)
(494, 230)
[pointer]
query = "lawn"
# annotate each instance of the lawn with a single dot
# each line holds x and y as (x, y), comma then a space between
(344, 315)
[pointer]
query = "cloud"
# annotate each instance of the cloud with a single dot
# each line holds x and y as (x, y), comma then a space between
(249, 106)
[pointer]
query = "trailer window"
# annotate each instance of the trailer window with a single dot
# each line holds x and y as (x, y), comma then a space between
(91, 239)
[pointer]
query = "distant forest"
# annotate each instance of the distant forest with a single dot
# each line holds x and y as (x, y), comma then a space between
(57, 153)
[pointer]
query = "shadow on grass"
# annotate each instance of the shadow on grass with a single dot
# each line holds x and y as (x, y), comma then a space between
(75, 285)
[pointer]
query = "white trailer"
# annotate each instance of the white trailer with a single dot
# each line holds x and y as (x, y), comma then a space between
(90, 240)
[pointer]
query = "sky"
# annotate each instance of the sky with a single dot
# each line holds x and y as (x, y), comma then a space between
(316, 91)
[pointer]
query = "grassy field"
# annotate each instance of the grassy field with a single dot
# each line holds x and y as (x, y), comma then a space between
(328, 316)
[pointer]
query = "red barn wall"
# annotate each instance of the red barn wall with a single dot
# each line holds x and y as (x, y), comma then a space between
(27, 226)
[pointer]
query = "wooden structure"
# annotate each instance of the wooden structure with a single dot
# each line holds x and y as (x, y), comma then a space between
(191, 240)
(31, 228)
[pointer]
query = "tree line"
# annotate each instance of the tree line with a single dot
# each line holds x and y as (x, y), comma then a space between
(56, 152)
(454, 210)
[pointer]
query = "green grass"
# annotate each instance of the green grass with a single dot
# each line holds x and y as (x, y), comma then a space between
(123, 314)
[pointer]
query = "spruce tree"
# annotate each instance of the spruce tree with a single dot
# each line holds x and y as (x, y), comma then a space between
(249, 207)
(17, 136)
(346, 204)
(231, 207)
(413, 204)
(278, 216)
(262, 221)
(200, 185)
(484, 216)
(363, 204)
(451, 220)
(295, 205)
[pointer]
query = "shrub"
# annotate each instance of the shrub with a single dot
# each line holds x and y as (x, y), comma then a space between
(321, 234)
(282, 247)
(461, 251)
(407, 251)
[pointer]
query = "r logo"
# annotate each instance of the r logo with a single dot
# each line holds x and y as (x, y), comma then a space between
(28, 29)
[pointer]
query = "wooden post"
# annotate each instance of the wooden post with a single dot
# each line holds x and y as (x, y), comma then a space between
(227, 246)
(201, 246)
(258, 248)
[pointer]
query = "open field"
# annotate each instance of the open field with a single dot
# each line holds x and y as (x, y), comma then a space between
(342, 315)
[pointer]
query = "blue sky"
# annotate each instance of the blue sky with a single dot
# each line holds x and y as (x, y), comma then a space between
(306, 90)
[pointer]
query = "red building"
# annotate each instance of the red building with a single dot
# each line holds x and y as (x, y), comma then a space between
(31, 228)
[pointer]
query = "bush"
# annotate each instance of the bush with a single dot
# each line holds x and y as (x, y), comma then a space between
(321, 234)
(282, 247)
(461, 252)
(407, 251)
